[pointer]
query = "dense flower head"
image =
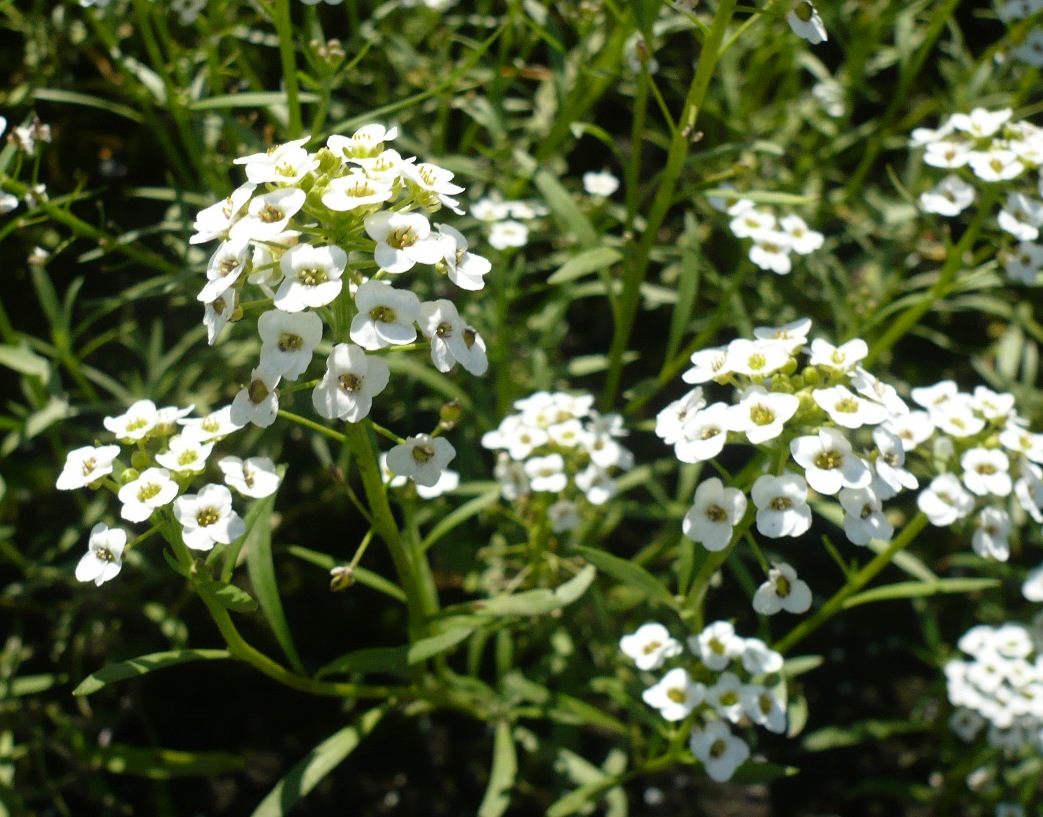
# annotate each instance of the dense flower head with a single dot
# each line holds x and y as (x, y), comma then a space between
(722, 679)
(556, 444)
(774, 239)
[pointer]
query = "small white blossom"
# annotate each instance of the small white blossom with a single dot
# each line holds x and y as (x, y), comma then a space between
(717, 645)
(714, 513)
(829, 463)
(725, 697)
(950, 197)
(720, 751)
(355, 191)
(86, 465)
(782, 506)
(649, 646)
(215, 425)
(770, 250)
(705, 433)
(510, 233)
(185, 454)
(258, 401)
(764, 707)
(104, 557)
(564, 516)
(386, 316)
(1022, 217)
(708, 364)
(207, 518)
(215, 221)
(403, 240)
(288, 341)
(843, 358)
(944, 500)
(782, 591)
(254, 477)
(864, 517)
(268, 215)
(465, 269)
(136, 423)
(986, 471)
(217, 313)
(847, 409)
(452, 340)
(140, 497)
(675, 696)
(761, 415)
(1024, 262)
(547, 473)
(281, 164)
(805, 22)
(803, 240)
(351, 381)
(311, 277)
(422, 458)
(991, 537)
(601, 184)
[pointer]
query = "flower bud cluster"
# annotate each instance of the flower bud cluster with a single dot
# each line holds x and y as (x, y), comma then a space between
(732, 681)
(168, 452)
(986, 146)
(1000, 689)
(558, 446)
(322, 236)
(774, 239)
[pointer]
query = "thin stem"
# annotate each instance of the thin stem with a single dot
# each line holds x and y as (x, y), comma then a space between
(679, 146)
(288, 57)
(854, 584)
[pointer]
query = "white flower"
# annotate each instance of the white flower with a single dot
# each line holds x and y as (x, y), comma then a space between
(649, 646)
(1023, 442)
(980, 122)
(720, 751)
(991, 537)
(749, 222)
(892, 458)
(255, 477)
(448, 480)
(761, 414)
(547, 473)
(912, 428)
(755, 357)
(875, 389)
(366, 141)
(215, 425)
(354, 191)
(996, 164)
(185, 453)
(288, 341)
(947, 153)
(715, 511)
(267, 215)
(829, 463)
(803, 240)
(516, 436)
(1022, 217)
(510, 233)
(596, 484)
(843, 358)
(104, 557)
(708, 364)
(864, 517)
(208, 518)
(465, 269)
(794, 333)
(1032, 588)
(1029, 489)
(351, 381)
(311, 277)
(950, 197)
(758, 658)
(281, 164)
(564, 516)
(1031, 50)
(215, 221)
(601, 184)
(1024, 262)
(140, 497)
(771, 250)
(944, 500)
(782, 591)
(136, 423)
(675, 696)
(805, 22)
(724, 696)
(452, 340)
(217, 313)
(86, 465)
(386, 167)
(705, 434)
(422, 458)
(225, 266)
(386, 316)
(764, 707)
(993, 405)
(986, 471)
(403, 240)
(932, 397)
(432, 186)
(848, 409)
(717, 645)
(258, 401)
(782, 507)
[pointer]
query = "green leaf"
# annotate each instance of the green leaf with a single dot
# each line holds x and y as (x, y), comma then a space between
(253, 99)
(161, 764)
(112, 673)
(88, 101)
(24, 360)
(260, 565)
(570, 218)
(628, 573)
(834, 737)
(912, 590)
(537, 602)
(437, 644)
(227, 595)
(501, 776)
(394, 660)
(28, 685)
(318, 763)
(585, 263)
(751, 773)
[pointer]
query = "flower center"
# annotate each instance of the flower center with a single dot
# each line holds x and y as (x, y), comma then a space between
(270, 214)
(383, 314)
(350, 382)
(312, 276)
(403, 237)
(783, 587)
(830, 459)
(804, 11)
(986, 469)
(651, 647)
(848, 405)
(424, 452)
(676, 695)
(88, 465)
(137, 424)
(103, 554)
(715, 513)
(444, 330)
(187, 457)
(469, 337)
(758, 361)
(148, 491)
(289, 342)
(718, 749)
(762, 415)
(248, 475)
(257, 391)
(780, 503)
(207, 516)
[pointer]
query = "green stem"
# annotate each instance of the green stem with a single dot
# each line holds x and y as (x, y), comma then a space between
(953, 263)
(854, 584)
(288, 57)
(414, 571)
(678, 152)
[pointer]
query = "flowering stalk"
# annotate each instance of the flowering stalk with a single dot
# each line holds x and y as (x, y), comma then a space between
(284, 28)
(679, 144)
(854, 584)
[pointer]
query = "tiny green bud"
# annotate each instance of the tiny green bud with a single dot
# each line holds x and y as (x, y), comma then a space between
(341, 578)
(128, 475)
(450, 414)
(812, 376)
(140, 460)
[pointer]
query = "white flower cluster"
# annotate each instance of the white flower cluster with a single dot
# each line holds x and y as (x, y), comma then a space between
(558, 445)
(733, 681)
(809, 417)
(774, 239)
(1000, 689)
(1030, 49)
(988, 147)
(509, 222)
(170, 451)
(282, 232)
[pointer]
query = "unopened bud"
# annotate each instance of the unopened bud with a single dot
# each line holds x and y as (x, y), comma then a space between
(341, 578)
(449, 415)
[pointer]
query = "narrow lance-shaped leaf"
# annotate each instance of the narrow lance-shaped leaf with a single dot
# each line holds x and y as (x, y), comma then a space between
(143, 664)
